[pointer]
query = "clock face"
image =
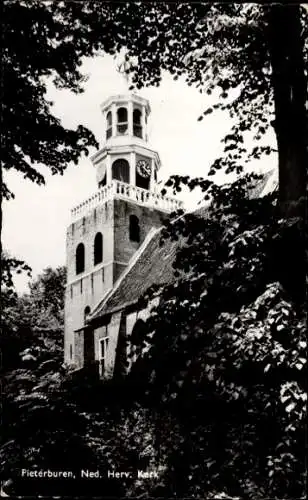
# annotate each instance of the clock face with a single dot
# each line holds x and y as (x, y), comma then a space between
(144, 168)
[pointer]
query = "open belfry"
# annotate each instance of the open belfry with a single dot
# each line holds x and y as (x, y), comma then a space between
(108, 229)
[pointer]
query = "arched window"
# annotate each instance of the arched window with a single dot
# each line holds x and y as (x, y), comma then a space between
(134, 228)
(86, 313)
(120, 170)
(98, 248)
(137, 340)
(109, 125)
(137, 116)
(137, 128)
(80, 258)
(122, 120)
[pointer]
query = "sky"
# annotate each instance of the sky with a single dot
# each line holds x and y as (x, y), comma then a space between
(35, 222)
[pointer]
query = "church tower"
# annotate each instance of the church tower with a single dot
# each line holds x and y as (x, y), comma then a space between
(108, 228)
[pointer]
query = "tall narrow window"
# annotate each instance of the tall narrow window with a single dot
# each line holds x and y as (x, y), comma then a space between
(86, 313)
(71, 351)
(80, 258)
(103, 351)
(92, 283)
(109, 125)
(122, 124)
(98, 248)
(120, 170)
(134, 228)
(137, 128)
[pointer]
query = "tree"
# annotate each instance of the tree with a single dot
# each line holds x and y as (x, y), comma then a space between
(47, 295)
(33, 320)
(256, 57)
(233, 334)
(289, 80)
(261, 51)
(43, 307)
(227, 354)
(40, 39)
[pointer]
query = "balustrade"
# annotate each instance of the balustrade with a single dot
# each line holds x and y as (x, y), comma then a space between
(118, 189)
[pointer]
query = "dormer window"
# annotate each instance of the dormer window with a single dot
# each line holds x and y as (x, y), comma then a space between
(109, 125)
(137, 127)
(122, 124)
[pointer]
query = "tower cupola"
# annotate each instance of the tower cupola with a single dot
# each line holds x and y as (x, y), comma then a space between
(126, 155)
(125, 118)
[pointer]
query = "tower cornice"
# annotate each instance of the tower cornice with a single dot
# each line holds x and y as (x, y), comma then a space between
(124, 98)
(123, 149)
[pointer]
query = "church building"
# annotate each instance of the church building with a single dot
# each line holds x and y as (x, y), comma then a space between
(113, 250)
(112, 246)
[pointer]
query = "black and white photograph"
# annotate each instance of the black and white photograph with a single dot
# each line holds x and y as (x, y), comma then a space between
(153, 219)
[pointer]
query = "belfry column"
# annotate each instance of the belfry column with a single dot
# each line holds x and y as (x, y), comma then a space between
(143, 124)
(132, 169)
(114, 119)
(130, 118)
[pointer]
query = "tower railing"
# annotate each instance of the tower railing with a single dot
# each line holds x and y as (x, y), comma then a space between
(122, 190)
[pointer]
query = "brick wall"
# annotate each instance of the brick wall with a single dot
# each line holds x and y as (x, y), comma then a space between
(125, 248)
(89, 287)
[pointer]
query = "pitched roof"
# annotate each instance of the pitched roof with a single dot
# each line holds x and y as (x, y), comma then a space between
(266, 185)
(152, 263)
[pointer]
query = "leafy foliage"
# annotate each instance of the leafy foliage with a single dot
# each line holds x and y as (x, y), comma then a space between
(40, 39)
(223, 48)
(47, 294)
(9, 266)
(221, 389)
(226, 352)
(42, 308)
(24, 318)
(225, 366)
(58, 420)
